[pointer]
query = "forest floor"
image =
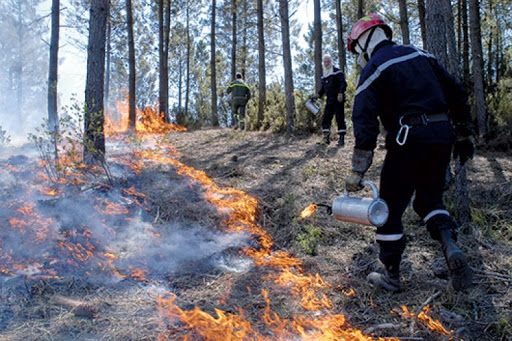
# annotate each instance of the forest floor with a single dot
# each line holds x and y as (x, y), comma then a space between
(284, 174)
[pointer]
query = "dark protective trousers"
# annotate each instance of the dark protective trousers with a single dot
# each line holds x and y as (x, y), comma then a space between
(238, 110)
(417, 169)
(334, 108)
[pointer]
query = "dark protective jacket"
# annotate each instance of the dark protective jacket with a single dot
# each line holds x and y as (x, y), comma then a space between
(332, 85)
(239, 90)
(402, 80)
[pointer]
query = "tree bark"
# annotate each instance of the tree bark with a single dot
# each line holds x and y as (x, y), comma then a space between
(317, 39)
(94, 139)
(108, 66)
(164, 23)
(453, 65)
(187, 76)
(436, 31)
(243, 58)
(131, 66)
(423, 27)
(490, 54)
(233, 38)
(342, 58)
(404, 22)
(213, 67)
(465, 43)
(262, 84)
(287, 62)
(360, 8)
(53, 118)
(477, 64)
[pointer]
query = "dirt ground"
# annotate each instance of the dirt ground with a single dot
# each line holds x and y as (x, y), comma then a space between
(288, 173)
(284, 174)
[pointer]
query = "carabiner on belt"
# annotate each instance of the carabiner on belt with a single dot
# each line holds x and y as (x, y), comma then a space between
(401, 136)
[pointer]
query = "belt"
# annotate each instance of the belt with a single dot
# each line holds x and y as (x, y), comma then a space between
(423, 119)
(407, 121)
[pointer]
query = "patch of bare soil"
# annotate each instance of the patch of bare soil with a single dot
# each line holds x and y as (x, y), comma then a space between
(287, 173)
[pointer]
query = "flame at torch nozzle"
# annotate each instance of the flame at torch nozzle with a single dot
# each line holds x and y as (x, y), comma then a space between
(308, 211)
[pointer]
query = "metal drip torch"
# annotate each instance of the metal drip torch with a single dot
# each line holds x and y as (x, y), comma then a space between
(366, 211)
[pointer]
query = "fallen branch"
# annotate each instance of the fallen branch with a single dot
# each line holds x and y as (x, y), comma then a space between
(383, 326)
(78, 308)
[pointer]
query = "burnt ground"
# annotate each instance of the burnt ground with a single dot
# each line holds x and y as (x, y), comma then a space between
(288, 173)
(285, 174)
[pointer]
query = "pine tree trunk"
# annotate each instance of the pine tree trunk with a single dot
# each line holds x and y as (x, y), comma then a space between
(233, 38)
(453, 60)
(20, 60)
(436, 31)
(187, 76)
(423, 27)
(243, 58)
(262, 84)
(108, 66)
(404, 22)
(213, 67)
(164, 22)
(317, 39)
(53, 119)
(465, 43)
(342, 58)
(360, 8)
(131, 66)
(477, 64)
(94, 138)
(490, 54)
(287, 62)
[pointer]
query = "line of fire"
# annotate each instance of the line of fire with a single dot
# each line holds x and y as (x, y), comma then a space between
(76, 225)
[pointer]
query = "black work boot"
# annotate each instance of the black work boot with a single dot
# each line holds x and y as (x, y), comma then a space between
(341, 140)
(461, 275)
(389, 280)
(327, 138)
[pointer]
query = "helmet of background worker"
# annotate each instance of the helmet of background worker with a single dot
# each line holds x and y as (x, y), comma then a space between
(366, 33)
(238, 75)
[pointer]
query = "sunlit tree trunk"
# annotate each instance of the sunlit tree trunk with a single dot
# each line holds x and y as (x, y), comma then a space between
(53, 68)
(233, 38)
(287, 62)
(360, 8)
(317, 39)
(342, 58)
(404, 22)
(213, 67)
(477, 64)
(423, 28)
(94, 139)
(131, 66)
(187, 76)
(53, 117)
(262, 82)
(164, 24)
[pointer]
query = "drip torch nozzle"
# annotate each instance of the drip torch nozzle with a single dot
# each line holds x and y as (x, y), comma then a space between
(328, 208)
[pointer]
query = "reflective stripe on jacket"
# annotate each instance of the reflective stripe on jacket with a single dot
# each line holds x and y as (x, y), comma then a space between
(402, 80)
(238, 89)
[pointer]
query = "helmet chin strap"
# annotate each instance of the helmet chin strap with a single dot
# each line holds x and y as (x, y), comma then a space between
(364, 50)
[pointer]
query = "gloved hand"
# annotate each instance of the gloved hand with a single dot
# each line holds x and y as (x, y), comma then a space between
(340, 97)
(464, 149)
(314, 97)
(353, 182)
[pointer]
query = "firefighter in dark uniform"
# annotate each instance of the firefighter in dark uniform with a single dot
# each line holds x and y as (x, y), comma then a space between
(240, 95)
(425, 113)
(333, 86)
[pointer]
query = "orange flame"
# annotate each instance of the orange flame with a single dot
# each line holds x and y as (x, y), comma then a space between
(426, 320)
(149, 121)
(308, 211)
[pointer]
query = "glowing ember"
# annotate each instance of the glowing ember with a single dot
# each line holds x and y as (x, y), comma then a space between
(426, 320)
(350, 292)
(51, 192)
(308, 211)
